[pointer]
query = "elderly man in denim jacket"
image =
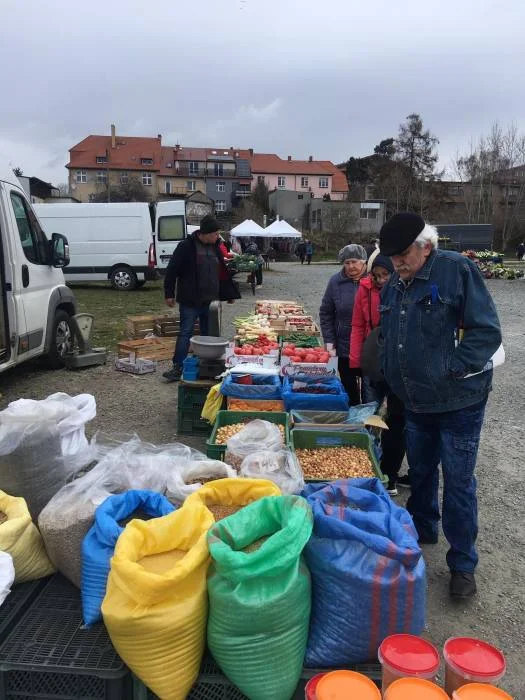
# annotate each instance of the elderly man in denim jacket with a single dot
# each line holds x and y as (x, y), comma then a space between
(439, 328)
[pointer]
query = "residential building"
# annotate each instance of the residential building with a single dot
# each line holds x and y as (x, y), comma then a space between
(362, 220)
(40, 191)
(318, 178)
(182, 172)
(228, 177)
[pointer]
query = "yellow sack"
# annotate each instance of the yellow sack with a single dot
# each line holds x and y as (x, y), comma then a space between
(222, 495)
(156, 603)
(212, 404)
(20, 538)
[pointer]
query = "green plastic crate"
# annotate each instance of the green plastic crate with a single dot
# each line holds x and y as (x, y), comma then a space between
(191, 399)
(214, 451)
(317, 439)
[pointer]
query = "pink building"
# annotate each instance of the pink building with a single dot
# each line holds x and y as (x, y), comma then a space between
(317, 177)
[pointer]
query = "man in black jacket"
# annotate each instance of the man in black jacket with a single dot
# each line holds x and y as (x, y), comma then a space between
(195, 266)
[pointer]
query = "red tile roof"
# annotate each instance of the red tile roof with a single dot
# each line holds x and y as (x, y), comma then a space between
(125, 156)
(271, 163)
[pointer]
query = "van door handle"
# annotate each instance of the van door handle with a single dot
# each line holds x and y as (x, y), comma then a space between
(25, 276)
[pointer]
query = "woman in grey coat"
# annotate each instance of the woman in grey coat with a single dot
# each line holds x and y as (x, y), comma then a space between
(336, 311)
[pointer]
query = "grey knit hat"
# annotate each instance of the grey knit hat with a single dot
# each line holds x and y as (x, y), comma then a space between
(354, 251)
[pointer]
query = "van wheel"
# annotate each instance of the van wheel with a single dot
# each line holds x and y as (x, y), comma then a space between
(123, 278)
(61, 340)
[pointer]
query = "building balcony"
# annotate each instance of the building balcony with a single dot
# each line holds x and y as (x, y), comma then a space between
(242, 193)
(184, 170)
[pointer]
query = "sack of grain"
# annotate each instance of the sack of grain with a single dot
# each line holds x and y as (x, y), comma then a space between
(257, 436)
(99, 543)
(226, 496)
(156, 603)
(42, 444)
(7, 575)
(189, 476)
(281, 467)
(259, 593)
(19, 537)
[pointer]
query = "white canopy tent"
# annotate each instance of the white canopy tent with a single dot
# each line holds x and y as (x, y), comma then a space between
(282, 229)
(248, 228)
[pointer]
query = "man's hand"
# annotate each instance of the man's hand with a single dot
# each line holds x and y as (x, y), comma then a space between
(170, 302)
(330, 349)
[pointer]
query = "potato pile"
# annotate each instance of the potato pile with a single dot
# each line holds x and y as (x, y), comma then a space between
(335, 463)
(228, 431)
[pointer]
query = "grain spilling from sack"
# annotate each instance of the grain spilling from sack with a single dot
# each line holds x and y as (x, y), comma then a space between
(254, 546)
(136, 515)
(335, 463)
(220, 511)
(162, 562)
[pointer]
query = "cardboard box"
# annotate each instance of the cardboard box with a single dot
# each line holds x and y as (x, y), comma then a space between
(232, 360)
(311, 369)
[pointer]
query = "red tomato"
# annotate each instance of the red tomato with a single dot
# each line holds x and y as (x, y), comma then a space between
(288, 352)
(296, 358)
(310, 357)
(291, 346)
(324, 357)
(302, 352)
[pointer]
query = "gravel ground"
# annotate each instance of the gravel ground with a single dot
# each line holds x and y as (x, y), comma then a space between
(147, 405)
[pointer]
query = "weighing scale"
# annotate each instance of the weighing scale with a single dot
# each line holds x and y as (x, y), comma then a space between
(83, 355)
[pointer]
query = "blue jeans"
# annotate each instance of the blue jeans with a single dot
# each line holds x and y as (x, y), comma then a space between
(188, 316)
(451, 438)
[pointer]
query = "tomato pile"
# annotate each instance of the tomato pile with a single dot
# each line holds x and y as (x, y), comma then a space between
(262, 346)
(310, 355)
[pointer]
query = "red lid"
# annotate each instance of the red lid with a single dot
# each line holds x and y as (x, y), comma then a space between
(474, 657)
(409, 655)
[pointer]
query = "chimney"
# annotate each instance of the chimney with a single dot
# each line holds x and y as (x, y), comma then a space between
(177, 147)
(251, 152)
(310, 159)
(113, 137)
(159, 136)
(289, 157)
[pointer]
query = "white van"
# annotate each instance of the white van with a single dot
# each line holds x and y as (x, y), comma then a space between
(116, 241)
(36, 305)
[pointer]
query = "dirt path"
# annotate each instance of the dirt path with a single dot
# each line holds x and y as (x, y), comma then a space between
(147, 405)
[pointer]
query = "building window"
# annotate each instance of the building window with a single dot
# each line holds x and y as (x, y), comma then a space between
(221, 187)
(368, 213)
(323, 183)
(218, 169)
(102, 176)
(167, 187)
(304, 182)
(81, 176)
(194, 168)
(102, 159)
(191, 185)
(260, 179)
(300, 196)
(146, 161)
(124, 178)
(281, 182)
(220, 205)
(146, 179)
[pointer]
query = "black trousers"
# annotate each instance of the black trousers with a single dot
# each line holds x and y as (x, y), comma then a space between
(392, 440)
(350, 380)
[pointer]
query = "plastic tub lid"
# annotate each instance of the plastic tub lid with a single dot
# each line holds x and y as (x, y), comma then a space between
(480, 691)
(409, 655)
(342, 685)
(414, 689)
(311, 687)
(473, 657)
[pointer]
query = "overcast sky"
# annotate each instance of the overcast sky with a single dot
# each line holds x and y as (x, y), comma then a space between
(328, 78)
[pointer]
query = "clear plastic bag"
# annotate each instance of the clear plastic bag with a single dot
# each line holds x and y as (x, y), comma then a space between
(42, 444)
(190, 476)
(257, 436)
(281, 467)
(7, 575)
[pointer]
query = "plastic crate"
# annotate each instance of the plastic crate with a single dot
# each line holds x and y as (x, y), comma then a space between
(17, 603)
(317, 439)
(191, 399)
(214, 451)
(50, 656)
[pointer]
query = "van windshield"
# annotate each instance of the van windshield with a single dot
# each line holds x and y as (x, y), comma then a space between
(171, 228)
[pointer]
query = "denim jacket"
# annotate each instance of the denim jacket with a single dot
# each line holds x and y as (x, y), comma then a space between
(436, 329)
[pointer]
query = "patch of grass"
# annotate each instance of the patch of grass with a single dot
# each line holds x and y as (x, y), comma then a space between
(111, 308)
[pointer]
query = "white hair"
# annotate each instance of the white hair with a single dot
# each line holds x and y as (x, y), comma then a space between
(428, 235)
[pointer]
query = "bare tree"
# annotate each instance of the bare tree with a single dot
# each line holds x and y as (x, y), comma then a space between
(248, 209)
(337, 225)
(131, 191)
(63, 188)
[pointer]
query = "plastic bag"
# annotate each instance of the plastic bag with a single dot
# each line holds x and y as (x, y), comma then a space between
(281, 467)
(213, 404)
(257, 436)
(368, 572)
(99, 543)
(134, 464)
(156, 603)
(260, 601)
(226, 495)
(263, 387)
(19, 537)
(356, 415)
(7, 575)
(42, 444)
(190, 476)
(334, 397)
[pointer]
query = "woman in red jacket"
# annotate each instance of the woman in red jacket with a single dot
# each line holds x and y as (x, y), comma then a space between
(365, 318)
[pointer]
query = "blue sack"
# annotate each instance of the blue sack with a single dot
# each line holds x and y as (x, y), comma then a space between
(368, 572)
(336, 399)
(99, 543)
(264, 387)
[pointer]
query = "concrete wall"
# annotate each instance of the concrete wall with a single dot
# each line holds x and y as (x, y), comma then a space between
(321, 217)
(290, 205)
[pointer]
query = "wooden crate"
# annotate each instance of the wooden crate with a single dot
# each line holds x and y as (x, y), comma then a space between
(150, 349)
(139, 326)
(171, 328)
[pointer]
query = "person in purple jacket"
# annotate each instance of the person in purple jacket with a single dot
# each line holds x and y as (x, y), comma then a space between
(336, 312)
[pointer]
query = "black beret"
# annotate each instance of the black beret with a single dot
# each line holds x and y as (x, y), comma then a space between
(399, 232)
(208, 224)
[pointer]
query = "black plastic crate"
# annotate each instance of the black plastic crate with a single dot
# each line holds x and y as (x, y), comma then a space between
(191, 399)
(189, 422)
(50, 656)
(16, 603)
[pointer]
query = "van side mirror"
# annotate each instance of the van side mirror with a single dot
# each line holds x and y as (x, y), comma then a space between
(59, 250)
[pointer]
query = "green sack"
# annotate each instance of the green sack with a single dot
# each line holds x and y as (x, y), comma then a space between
(260, 601)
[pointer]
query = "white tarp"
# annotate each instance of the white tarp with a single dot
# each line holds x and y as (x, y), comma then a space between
(248, 228)
(282, 229)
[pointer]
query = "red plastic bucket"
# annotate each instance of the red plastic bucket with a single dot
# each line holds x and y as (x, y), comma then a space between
(310, 688)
